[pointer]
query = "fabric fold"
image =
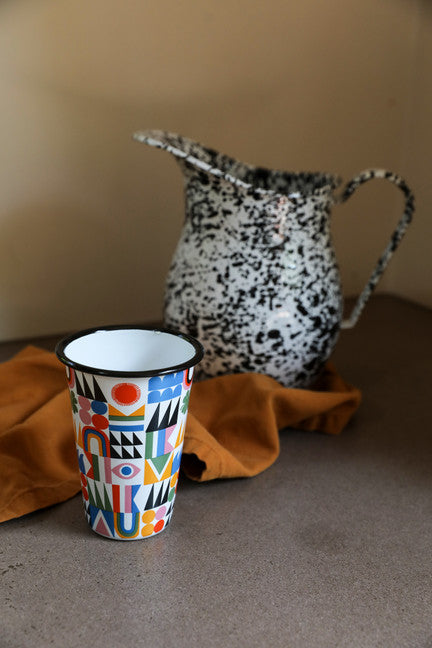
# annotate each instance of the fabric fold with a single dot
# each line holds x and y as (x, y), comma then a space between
(234, 421)
(232, 429)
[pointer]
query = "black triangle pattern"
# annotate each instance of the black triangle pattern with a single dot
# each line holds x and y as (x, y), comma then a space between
(114, 453)
(84, 389)
(174, 417)
(125, 438)
(126, 454)
(168, 419)
(149, 503)
(165, 419)
(80, 390)
(125, 441)
(120, 452)
(87, 391)
(162, 498)
(98, 393)
(114, 440)
(125, 445)
(158, 500)
(154, 422)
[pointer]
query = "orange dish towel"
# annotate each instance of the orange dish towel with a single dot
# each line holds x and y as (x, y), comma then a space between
(232, 429)
(234, 421)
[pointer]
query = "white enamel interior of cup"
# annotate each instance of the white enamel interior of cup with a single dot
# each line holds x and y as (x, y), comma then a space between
(130, 350)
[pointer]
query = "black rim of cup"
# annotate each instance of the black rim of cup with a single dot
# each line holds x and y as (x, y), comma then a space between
(61, 346)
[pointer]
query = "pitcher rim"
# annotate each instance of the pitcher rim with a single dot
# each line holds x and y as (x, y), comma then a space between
(155, 138)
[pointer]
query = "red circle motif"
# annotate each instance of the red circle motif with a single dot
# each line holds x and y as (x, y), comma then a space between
(100, 422)
(159, 526)
(126, 393)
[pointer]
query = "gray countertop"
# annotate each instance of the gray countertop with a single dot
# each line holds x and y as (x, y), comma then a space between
(330, 547)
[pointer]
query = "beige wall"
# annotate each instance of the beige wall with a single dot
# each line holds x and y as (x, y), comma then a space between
(89, 219)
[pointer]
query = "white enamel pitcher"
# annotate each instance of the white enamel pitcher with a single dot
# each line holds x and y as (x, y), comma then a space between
(254, 276)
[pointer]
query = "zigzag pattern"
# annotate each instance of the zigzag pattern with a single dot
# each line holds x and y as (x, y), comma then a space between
(126, 445)
(83, 388)
(158, 495)
(163, 419)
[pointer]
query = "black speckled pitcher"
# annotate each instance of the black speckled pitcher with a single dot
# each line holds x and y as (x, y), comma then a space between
(254, 276)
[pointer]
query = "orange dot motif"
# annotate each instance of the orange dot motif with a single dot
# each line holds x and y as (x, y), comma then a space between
(126, 393)
(148, 516)
(153, 521)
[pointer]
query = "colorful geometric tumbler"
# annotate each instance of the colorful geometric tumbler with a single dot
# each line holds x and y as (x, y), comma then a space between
(129, 388)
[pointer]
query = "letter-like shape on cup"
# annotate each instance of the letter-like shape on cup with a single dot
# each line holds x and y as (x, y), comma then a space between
(129, 389)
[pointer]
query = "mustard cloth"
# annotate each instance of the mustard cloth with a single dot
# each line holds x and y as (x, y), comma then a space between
(232, 427)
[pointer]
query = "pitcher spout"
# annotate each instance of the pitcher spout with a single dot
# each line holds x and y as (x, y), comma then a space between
(179, 146)
(198, 156)
(257, 180)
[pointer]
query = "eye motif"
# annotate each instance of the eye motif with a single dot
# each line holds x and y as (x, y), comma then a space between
(126, 470)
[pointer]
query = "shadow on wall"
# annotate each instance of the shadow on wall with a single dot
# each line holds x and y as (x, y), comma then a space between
(87, 228)
(57, 265)
(53, 259)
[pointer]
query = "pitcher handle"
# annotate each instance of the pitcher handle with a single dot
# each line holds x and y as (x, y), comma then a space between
(396, 237)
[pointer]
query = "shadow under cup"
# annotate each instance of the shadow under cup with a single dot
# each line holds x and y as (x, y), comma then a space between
(129, 389)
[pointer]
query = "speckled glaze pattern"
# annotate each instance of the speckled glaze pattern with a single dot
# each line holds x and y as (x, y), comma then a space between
(395, 238)
(254, 276)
